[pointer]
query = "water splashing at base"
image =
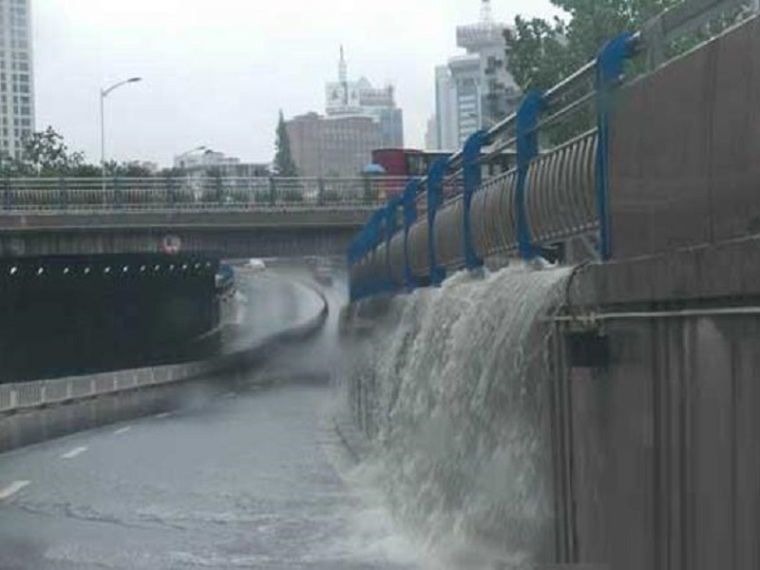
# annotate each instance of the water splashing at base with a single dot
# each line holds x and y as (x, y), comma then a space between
(450, 392)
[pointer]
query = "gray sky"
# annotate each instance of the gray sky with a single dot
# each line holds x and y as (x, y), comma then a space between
(215, 72)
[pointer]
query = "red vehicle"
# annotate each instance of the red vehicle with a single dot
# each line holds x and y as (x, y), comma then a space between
(409, 162)
(406, 162)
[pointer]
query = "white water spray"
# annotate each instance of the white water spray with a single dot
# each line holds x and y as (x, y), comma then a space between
(452, 391)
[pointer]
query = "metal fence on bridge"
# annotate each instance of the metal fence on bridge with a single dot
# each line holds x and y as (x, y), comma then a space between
(554, 200)
(190, 194)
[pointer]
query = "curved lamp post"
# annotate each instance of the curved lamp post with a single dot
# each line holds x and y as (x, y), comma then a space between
(103, 94)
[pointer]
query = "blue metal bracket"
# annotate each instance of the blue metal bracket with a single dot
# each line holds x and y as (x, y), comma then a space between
(409, 202)
(435, 176)
(473, 178)
(527, 150)
(391, 227)
(609, 69)
(368, 239)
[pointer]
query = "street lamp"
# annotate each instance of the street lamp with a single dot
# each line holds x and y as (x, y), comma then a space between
(103, 94)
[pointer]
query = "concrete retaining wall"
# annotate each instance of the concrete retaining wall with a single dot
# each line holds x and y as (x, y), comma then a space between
(31, 412)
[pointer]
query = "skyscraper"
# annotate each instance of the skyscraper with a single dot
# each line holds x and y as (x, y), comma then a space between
(16, 76)
(474, 90)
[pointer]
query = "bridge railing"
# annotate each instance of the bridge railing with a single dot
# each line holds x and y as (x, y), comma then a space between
(190, 194)
(554, 197)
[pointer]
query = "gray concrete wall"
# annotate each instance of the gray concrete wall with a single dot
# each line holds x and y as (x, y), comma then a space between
(235, 233)
(685, 143)
(31, 412)
(664, 445)
(238, 241)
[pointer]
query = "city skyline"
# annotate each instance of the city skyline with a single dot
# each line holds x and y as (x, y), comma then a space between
(218, 78)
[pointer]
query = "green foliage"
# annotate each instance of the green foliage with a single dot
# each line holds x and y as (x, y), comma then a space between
(283, 161)
(542, 52)
(44, 154)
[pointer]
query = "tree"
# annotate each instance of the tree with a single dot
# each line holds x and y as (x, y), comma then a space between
(283, 160)
(541, 52)
(46, 154)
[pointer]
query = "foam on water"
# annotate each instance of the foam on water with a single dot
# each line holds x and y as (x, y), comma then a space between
(451, 389)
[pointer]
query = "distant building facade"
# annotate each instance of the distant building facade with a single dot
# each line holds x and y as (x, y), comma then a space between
(350, 98)
(203, 163)
(431, 134)
(332, 146)
(474, 90)
(16, 76)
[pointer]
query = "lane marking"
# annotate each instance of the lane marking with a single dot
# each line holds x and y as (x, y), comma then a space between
(163, 415)
(122, 430)
(12, 489)
(74, 452)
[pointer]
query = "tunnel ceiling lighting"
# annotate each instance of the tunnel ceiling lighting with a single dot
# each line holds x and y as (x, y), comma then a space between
(40, 271)
(107, 270)
(197, 265)
(125, 269)
(142, 269)
(171, 267)
(66, 270)
(87, 270)
(156, 267)
(184, 267)
(13, 270)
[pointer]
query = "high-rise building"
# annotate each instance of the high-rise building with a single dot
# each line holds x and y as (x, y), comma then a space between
(333, 146)
(431, 133)
(344, 97)
(474, 90)
(16, 76)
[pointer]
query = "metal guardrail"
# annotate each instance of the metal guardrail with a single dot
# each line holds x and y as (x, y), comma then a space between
(76, 195)
(553, 195)
(26, 395)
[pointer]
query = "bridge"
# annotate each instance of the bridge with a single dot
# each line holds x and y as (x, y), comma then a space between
(235, 217)
(652, 388)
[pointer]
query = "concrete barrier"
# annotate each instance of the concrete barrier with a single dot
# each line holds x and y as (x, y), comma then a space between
(31, 412)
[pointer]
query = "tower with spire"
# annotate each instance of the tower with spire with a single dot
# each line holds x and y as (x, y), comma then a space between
(345, 97)
(474, 90)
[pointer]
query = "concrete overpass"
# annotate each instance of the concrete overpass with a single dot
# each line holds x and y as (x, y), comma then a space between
(224, 217)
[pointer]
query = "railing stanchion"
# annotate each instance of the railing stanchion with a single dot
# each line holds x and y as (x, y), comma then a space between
(63, 200)
(609, 69)
(434, 201)
(7, 197)
(272, 191)
(320, 191)
(473, 178)
(410, 216)
(527, 149)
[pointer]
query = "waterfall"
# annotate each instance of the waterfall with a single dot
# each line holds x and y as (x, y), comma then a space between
(450, 391)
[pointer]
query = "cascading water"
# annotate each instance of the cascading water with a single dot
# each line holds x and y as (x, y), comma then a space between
(451, 393)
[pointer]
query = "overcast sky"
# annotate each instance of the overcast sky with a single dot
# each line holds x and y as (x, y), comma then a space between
(215, 72)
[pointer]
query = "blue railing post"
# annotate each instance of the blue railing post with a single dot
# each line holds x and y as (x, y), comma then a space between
(410, 216)
(435, 177)
(472, 174)
(526, 124)
(391, 227)
(609, 69)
